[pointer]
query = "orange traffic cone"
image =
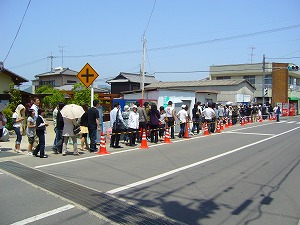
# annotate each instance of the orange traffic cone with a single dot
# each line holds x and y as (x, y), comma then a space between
(260, 119)
(226, 123)
(242, 121)
(167, 137)
(187, 130)
(230, 122)
(250, 120)
(102, 149)
(218, 127)
(221, 125)
(144, 143)
(206, 130)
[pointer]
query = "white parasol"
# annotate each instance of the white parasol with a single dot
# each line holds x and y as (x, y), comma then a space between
(72, 111)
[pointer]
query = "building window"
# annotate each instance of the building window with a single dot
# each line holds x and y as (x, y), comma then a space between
(223, 78)
(251, 79)
(71, 82)
(268, 80)
(48, 82)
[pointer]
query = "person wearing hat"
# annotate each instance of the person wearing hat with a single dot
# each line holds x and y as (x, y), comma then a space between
(182, 116)
(133, 125)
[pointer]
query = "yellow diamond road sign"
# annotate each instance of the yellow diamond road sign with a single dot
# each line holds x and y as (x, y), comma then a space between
(87, 75)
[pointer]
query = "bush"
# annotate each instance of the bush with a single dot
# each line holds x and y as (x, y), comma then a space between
(8, 115)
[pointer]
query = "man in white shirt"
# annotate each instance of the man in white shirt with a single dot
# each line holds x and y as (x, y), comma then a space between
(208, 114)
(114, 113)
(171, 117)
(182, 116)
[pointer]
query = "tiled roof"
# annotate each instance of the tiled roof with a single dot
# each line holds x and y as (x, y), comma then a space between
(58, 71)
(134, 78)
(196, 83)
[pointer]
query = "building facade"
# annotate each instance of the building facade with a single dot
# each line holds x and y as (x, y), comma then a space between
(274, 83)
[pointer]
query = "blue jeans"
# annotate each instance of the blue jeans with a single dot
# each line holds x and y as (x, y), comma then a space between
(18, 133)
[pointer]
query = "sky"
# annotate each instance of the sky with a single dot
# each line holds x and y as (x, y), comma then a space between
(183, 38)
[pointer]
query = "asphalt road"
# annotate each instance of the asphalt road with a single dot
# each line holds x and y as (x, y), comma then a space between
(245, 175)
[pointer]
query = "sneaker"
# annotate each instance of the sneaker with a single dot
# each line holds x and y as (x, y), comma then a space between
(29, 154)
(18, 151)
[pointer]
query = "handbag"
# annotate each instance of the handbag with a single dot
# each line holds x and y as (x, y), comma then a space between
(76, 129)
(118, 124)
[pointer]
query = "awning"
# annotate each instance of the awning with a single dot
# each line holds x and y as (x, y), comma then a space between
(294, 98)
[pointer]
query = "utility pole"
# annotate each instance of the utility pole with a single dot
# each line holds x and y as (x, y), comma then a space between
(263, 79)
(51, 61)
(62, 55)
(251, 55)
(143, 67)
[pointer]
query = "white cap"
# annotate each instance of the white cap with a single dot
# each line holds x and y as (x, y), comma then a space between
(126, 107)
(183, 106)
(134, 107)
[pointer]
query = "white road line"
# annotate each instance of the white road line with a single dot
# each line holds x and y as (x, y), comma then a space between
(193, 164)
(232, 132)
(44, 215)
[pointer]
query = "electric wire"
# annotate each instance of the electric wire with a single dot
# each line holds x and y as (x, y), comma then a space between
(17, 31)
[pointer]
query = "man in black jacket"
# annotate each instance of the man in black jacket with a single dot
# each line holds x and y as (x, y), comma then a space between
(40, 132)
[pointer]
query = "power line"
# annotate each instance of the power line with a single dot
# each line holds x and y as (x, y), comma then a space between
(195, 43)
(150, 18)
(17, 31)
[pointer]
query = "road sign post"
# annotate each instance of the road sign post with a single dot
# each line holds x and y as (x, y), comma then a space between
(87, 76)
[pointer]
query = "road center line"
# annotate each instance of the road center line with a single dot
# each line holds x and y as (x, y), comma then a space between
(113, 191)
(44, 215)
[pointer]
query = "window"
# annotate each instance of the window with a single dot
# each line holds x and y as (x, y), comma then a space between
(251, 79)
(223, 78)
(268, 80)
(71, 82)
(48, 82)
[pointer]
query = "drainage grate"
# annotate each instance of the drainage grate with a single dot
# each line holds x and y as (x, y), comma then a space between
(111, 208)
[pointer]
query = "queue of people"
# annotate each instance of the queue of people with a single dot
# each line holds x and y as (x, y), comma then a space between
(129, 124)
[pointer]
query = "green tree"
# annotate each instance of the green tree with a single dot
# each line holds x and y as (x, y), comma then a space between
(81, 94)
(55, 96)
(15, 97)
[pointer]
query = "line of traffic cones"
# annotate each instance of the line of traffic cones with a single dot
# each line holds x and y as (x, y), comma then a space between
(102, 149)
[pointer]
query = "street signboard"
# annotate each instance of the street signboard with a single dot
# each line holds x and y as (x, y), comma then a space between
(87, 75)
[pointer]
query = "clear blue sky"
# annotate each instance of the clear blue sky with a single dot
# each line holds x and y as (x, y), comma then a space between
(182, 36)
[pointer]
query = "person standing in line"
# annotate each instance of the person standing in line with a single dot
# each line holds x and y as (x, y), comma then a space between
(142, 121)
(35, 106)
(125, 116)
(277, 111)
(41, 134)
(182, 116)
(196, 119)
(116, 134)
(54, 116)
(93, 125)
(60, 126)
(30, 131)
(133, 125)
(68, 133)
(18, 125)
(209, 114)
(2, 124)
(154, 116)
(162, 122)
(170, 113)
(84, 128)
